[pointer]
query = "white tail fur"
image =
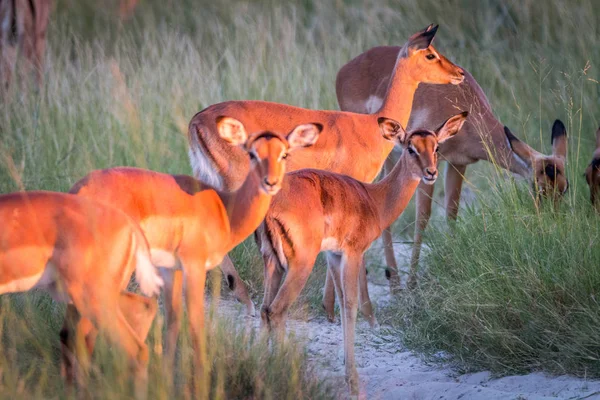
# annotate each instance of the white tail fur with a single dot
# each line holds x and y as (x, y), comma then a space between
(146, 274)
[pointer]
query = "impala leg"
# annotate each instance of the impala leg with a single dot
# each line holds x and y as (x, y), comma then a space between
(173, 305)
(195, 280)
(453, 187)
(72, 355)
(424, 199)
(236, 285)
(334, 268)
(350, 270)
(272, 282)
(391, 272)
(329, 296)
(297, 275)
(366, 307)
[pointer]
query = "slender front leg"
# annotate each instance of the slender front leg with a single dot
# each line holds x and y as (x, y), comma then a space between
(366, 307)
(454, 180)
(297, 275)
(329, 295)
(173, 304)
(236, 285)
(195, 280)
(351, 265)
(272, 282)
(391, 272)
(424, 198)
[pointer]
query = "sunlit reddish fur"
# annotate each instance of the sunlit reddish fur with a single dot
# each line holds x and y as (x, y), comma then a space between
(81, 252)
(322, 211)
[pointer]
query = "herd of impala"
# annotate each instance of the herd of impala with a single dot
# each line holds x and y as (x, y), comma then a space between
(83, 247)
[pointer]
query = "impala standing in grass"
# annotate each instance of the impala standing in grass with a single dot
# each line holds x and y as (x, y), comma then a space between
(322, 211)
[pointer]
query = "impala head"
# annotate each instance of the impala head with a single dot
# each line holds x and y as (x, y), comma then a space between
(421, 146)
(268, 150)
(425, 63)
(548, 172)
(592, 174)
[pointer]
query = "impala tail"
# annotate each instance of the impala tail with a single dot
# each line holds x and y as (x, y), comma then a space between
(146, 274)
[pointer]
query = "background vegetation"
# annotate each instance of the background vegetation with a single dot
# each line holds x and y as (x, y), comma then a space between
(512, 286)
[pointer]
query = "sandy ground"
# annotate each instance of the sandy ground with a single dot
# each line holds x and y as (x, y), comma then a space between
(388, 371)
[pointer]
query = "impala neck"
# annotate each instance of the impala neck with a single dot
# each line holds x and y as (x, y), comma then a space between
(398, 101)
(246, 207)
(393, 192)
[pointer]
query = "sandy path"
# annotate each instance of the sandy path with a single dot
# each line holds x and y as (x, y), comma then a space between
(388, 371)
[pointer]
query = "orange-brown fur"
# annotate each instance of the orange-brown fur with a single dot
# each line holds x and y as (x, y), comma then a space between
(184, 218)
(592, 174)
(82, 252)
(323, 211)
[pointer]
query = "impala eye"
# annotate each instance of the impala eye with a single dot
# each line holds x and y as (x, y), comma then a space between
(252, 156)
(430, 56)
(437, 149)
(284, 156)
(411, 151)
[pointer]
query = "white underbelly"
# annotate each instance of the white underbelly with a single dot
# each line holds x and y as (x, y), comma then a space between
(330, 244)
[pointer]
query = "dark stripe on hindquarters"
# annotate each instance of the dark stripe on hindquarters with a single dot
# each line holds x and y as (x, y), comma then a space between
(12, 38)
(285, 235)
(32, 8)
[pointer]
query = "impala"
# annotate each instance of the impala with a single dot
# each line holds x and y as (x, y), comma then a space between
(592, 174)
(23, 25)
(82, 253)
(361, 86)
(549, 177)
(350, 143)
(184, 221)
(322, 211)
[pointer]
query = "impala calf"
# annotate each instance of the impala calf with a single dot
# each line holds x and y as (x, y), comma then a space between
(321, 211)
(547, 172)
(592, 174)
(350, 143)
(83, 253)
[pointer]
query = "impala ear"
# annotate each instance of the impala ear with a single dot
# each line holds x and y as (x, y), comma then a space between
(232, 130)
(304, 135)
(520, 149)
(392, 130)
(559, 139)
(451, 126)
(423, 39)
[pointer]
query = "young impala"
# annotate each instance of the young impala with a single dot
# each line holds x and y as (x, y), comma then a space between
(350, 143)
(194, 226)
(321, 211)
(592, 174)
(361, 86)
(549, 177)
(83, 253)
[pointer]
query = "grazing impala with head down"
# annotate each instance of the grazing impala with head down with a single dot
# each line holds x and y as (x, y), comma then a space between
(322, 211)
(83, 253)
(349, 144)
(194, 226)
(361, 86)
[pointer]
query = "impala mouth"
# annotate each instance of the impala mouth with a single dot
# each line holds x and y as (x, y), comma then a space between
(457, 80)
(270, 190)
(429, 180)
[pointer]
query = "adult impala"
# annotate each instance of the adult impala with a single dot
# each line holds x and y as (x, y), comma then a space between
(83, 253)
(350, 143)
(184, 221)
(322, 211)
(361, 86)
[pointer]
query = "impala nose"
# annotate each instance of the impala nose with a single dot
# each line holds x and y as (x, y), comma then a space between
(431, 172)
(270, 183)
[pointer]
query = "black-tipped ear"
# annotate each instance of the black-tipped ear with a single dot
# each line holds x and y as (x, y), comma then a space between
(519, 148)
(391, 129)
(559, 139)
(422, 40)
